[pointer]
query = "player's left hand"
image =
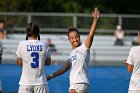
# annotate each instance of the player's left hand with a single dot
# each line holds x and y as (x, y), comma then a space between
(96, 13)
(48, 78)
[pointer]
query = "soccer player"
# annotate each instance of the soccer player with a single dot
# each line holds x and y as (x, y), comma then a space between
(78, 59)
(32, 55)
(133, 65)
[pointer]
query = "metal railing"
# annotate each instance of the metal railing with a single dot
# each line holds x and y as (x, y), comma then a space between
(57, 22)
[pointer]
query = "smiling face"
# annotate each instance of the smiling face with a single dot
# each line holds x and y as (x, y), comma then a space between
(74, 39)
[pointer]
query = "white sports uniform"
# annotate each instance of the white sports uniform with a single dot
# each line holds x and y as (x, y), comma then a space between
(134, 59)
(34, 54)
(79, 59)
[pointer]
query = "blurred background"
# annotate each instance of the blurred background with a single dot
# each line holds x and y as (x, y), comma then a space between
(106, 69)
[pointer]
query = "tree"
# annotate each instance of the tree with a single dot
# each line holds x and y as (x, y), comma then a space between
(15, 5)
(74, 6)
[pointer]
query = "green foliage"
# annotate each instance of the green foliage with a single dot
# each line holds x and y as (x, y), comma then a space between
(15, 5)
(70, 6)
(74, 6)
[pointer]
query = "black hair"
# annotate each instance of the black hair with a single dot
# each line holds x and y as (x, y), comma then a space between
(32, 30)
(72, 29)
(1, 21)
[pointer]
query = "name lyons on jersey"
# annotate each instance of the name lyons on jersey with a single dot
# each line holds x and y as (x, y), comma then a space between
(34, 47)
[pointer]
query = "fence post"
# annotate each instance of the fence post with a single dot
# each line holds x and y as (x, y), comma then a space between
(120, 20)
(29, 18)
(75, 21)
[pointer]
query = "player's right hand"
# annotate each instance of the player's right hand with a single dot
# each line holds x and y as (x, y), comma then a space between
(96, 13)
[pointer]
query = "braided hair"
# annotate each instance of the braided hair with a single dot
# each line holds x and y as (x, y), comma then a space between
(32, 30)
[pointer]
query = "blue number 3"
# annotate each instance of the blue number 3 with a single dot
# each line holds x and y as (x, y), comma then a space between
(35, 63)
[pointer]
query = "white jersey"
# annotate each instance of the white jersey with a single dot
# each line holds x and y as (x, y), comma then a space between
(134, 59)
(79, 59)
(120, 34)
(34, 54)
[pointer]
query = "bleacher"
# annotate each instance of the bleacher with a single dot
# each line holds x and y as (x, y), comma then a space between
(103, 51)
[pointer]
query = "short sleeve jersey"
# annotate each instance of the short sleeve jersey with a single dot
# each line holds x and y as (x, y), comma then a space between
(79, 59)
(34, 54)
(134, 59)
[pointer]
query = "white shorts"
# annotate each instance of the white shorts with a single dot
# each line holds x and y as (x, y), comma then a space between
(80, 87)
(134, 91)
(0, 86)
(33, 89)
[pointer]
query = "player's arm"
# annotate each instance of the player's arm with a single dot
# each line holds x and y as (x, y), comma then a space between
(89, 39)
(18, 53)
(19, 61)
(129, 66)
(115, 34)
(48, 61)
(60, 71)
(123, 35)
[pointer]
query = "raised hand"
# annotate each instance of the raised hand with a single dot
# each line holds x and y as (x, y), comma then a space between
(96, 13)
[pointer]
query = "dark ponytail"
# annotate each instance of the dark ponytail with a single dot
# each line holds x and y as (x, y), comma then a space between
(32, 30)
(26, 37)
(38, 36)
